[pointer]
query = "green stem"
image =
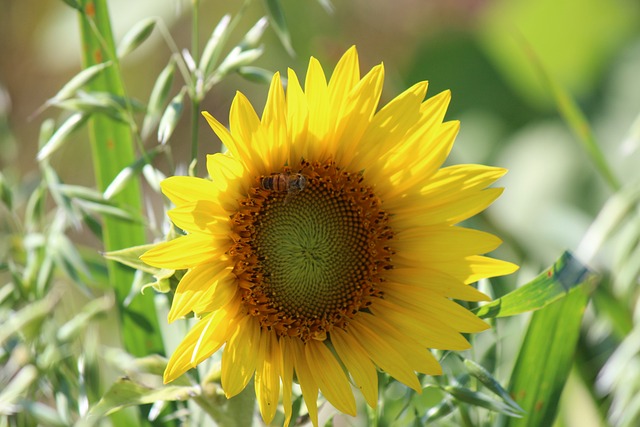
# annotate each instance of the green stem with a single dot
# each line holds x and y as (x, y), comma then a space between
(195, 90)
(112, 146)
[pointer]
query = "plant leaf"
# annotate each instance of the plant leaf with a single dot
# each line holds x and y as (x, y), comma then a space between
(136, 36)
(125, 392)
(279, 24)
(551, 285)
(545, 359)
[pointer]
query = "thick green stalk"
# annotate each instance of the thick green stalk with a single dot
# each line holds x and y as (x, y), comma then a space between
(112, 146)
(195, 95)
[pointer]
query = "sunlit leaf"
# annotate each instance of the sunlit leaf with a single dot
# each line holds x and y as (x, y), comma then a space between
(79, 81)
(158, 98)
(125, 393)
(214, 45)
(476, 398)
(56, 141)
(136, 36)
(127, 174)
(252, 38)
(279, 24)
(487, 380)
(131, 258)
(545, 359)
(255, 74)
(170, 118)
(549, 286)
(78, 324)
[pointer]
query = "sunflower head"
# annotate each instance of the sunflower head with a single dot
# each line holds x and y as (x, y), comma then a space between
(324, 244)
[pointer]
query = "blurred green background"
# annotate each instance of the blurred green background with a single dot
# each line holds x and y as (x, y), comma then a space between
(478, 49)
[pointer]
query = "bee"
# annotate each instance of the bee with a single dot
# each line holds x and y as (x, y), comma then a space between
(290, 183)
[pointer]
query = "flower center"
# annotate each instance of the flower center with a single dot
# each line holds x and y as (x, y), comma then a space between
(310, 249)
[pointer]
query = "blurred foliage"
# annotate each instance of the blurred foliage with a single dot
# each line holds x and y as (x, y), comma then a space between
(60, 341)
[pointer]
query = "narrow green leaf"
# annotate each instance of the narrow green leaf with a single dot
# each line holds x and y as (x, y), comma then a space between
(6, 195)
(28, 319)
(47, 128)
(13, 392)
(80, 192)
(136, 36)
(170, 118)
(551, 285)
(238, 58)
(131, 257)
(153, 177)
(575, 119)
(441, 410)
(158, 98)
(256, 74)
(251, 40)
(279, 24)
(485, 377)
(96, 102)
(127, 174)
(545, 359)
(212, 49)
(109, 210)
(609, 219)
(78, 81)
(44, 414)
(126, 392)
(67, 257)
(326, 5)
(74, 4)
(56, 141)
(73, 328)
(480, 399)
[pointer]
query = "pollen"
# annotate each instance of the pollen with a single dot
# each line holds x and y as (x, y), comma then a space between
(308, 262)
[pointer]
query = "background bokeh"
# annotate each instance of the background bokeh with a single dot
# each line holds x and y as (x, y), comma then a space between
(485, 51)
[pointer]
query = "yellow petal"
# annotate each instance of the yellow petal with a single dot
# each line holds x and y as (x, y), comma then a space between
(358, 111)
(225, 136)
(267, 382)
(184, 252)
(434, 244)
(286, 372)
(434, 281)
(240, 356)
(246, 128)
(358, 363)
(186, 189)
(220, 293)
(387, 129)
(204, 339)
(274, 118)
(381, 351)
(227, 174)
(308, 384)
(426, 329)
(330, 377)
(202, 216)
(473, 268)
(297, 119)
(317, 96)
(194, 286)
(449, 312)
(345, 76)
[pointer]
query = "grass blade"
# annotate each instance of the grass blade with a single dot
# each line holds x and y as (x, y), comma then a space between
(545, 359)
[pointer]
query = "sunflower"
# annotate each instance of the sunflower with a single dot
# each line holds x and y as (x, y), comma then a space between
(324, 245)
